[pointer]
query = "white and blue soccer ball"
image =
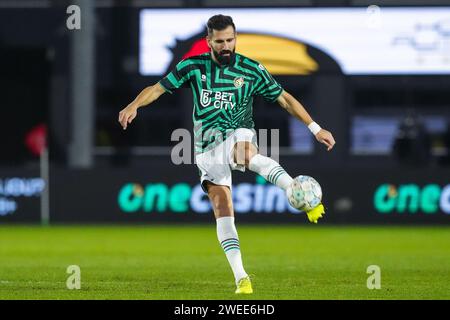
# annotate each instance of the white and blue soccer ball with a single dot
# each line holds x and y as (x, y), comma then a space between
(304, 193)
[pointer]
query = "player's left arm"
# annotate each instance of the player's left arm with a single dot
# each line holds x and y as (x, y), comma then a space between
(295, 108)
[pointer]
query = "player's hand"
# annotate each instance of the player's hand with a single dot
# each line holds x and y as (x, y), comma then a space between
(127, 115)
(325, 137)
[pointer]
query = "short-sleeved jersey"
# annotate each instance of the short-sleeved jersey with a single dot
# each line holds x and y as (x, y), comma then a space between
(223, 94)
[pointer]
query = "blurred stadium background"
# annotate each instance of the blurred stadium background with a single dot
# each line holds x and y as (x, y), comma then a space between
(375, 73)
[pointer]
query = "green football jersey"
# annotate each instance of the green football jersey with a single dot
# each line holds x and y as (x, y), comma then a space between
(223, 94)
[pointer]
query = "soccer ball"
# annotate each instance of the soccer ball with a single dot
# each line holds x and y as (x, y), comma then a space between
(304, 193)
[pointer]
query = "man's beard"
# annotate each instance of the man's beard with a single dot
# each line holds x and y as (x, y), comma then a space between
(224, 60)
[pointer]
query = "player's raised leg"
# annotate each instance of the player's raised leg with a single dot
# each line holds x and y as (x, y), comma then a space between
(221, 200)
(245, 153)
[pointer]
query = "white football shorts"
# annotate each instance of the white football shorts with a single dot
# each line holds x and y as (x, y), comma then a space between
(216, 164)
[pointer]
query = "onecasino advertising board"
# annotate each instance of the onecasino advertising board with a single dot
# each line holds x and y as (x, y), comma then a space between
(174, 195)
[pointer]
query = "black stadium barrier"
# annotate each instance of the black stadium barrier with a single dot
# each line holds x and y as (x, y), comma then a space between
(163, 192)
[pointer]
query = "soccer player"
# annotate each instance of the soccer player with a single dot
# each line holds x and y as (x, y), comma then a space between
(224, 83)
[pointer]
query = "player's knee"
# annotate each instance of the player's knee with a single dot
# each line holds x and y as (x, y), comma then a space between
(250, 152)
(239, 153)
(244, 152)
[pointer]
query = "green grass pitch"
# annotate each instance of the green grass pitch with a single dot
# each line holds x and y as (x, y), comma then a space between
(186, 262)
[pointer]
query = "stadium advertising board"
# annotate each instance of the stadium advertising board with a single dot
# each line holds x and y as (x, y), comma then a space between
(20, 192)
(412, 198)
(302, 41)
(169, 193)
(259, 197)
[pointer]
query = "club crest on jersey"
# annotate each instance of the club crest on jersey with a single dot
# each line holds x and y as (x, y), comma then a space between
(205, 98)
(222, 99)
(238, 82)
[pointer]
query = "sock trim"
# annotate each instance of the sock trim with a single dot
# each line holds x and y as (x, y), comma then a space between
(229, 239)
(278, 175)
(236, 248)
(275, 174)
(229, 244)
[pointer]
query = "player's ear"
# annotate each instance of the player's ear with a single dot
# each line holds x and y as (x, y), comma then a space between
(208, 42)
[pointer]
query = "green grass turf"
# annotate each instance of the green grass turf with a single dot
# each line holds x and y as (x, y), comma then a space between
(186, 262)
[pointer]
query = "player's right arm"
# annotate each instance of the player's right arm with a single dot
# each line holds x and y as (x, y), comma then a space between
(147, 96)
(175, 79)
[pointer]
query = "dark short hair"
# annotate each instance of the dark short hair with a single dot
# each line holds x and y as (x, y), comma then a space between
(219, 22)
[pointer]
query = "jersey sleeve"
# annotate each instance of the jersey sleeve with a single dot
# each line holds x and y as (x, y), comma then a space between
(267, 87)
(179, 76)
